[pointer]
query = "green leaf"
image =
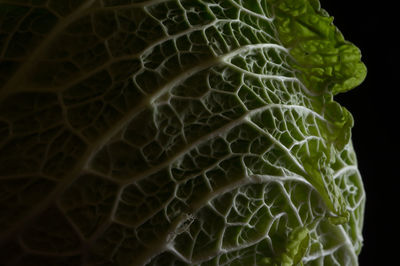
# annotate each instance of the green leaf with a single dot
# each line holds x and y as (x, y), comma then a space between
(326, 61)
(176, 132)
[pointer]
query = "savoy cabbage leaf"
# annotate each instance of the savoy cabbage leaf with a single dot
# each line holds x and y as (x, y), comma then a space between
(176, 132)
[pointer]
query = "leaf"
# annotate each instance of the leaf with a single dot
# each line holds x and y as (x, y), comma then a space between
(176, 133)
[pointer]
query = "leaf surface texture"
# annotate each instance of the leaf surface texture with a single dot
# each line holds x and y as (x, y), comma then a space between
(176, 133)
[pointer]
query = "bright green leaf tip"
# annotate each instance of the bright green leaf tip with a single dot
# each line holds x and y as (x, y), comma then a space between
(327, 62)
(296, 247)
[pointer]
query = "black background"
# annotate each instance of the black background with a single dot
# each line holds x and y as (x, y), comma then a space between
(372, 26)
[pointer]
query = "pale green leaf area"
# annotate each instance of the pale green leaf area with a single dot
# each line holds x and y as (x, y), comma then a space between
(176, 132)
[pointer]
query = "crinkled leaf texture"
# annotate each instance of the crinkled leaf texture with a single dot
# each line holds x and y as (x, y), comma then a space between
(176, 132)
